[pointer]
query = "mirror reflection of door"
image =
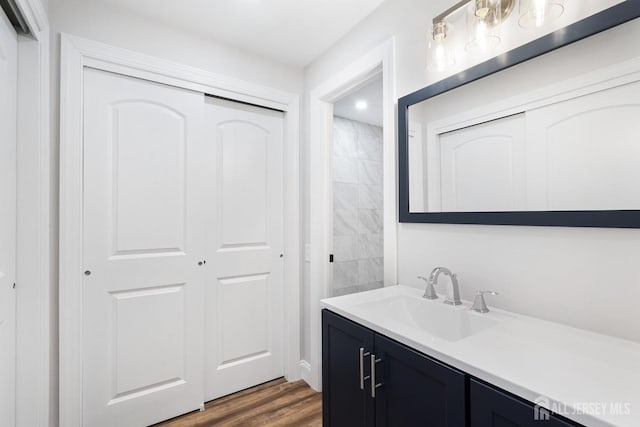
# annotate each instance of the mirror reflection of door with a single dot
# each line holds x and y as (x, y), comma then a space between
(576, 153)
(357, 170)
(482, 168)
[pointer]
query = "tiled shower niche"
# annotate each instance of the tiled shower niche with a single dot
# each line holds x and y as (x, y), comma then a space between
(357, 207)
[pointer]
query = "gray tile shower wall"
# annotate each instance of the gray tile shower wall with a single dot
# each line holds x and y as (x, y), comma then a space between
(357, 207)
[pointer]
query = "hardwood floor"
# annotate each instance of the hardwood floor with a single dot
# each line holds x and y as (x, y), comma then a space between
(276, 403)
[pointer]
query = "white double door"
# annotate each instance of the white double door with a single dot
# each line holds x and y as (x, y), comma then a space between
(8, 107)
(182, 249)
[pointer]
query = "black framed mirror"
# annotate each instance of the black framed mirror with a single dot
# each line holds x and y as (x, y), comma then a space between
(546, 157)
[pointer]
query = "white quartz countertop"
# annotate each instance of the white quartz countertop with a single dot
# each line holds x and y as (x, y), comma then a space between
(587, 377)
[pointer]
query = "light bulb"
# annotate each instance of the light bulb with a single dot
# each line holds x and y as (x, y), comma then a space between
(440, 31)
(481, 35)
(439, 57)
(538, 11)
(482, 8)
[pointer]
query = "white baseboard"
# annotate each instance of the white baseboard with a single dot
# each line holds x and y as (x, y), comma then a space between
(305, 373)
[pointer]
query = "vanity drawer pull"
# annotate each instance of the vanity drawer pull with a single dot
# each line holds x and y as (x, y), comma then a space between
(374, 385)
(363, 354)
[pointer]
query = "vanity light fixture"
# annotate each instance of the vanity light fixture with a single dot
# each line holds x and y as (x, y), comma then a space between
(484, 20)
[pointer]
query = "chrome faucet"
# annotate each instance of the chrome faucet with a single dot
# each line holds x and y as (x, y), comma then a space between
(433, 280)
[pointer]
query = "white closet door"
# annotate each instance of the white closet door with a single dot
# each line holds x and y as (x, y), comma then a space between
(483, 167)
(143, 320)
(8, 106)
(244, 344)
(583, 154)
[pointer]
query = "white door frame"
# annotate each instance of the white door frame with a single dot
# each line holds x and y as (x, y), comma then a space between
(33, 272)
(77, 53)
(321, 119)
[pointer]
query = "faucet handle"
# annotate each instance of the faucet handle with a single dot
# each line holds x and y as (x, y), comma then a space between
(479, 304)
(429, 292)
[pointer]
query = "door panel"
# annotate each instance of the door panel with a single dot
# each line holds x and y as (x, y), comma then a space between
(416, 387)
(483, 167)
(244, 286)
(243, 333)
(583, 153)
(243, 183)
(149, 144)
(143, 314)
(160, 351)
(8, 107)
(346, 396)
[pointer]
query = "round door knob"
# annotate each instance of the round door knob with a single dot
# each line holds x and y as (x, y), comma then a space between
(200, 263)
(87, 273)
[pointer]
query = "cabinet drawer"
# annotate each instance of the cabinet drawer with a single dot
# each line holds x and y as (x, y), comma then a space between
(492, 407)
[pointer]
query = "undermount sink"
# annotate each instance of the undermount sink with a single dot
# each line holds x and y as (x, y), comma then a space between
(433, 317)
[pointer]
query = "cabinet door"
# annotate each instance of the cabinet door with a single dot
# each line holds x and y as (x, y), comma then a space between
(491, 407)
(416, 390)
(344, 401)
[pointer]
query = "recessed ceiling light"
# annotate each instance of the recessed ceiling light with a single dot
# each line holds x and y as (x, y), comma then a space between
(361, 105)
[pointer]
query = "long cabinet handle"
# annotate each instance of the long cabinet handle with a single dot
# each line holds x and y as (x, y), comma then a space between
(374, 385)
(363, 354)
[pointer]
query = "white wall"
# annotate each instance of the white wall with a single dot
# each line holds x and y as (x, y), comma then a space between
(96, 21)
(589, 278)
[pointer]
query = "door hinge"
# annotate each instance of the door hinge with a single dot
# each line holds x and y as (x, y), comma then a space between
(330, 257)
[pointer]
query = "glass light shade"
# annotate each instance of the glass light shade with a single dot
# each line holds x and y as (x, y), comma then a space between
(483, 26)
(440, 57)
(482, 8)
(536, 13)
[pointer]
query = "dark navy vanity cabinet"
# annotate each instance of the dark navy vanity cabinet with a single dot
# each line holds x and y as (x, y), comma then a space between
(371, 380)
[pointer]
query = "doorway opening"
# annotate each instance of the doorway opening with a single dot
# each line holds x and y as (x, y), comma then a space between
(324, 102)
(357, 201)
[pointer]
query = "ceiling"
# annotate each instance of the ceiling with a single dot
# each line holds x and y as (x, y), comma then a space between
(293, 32)
(371, 93)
